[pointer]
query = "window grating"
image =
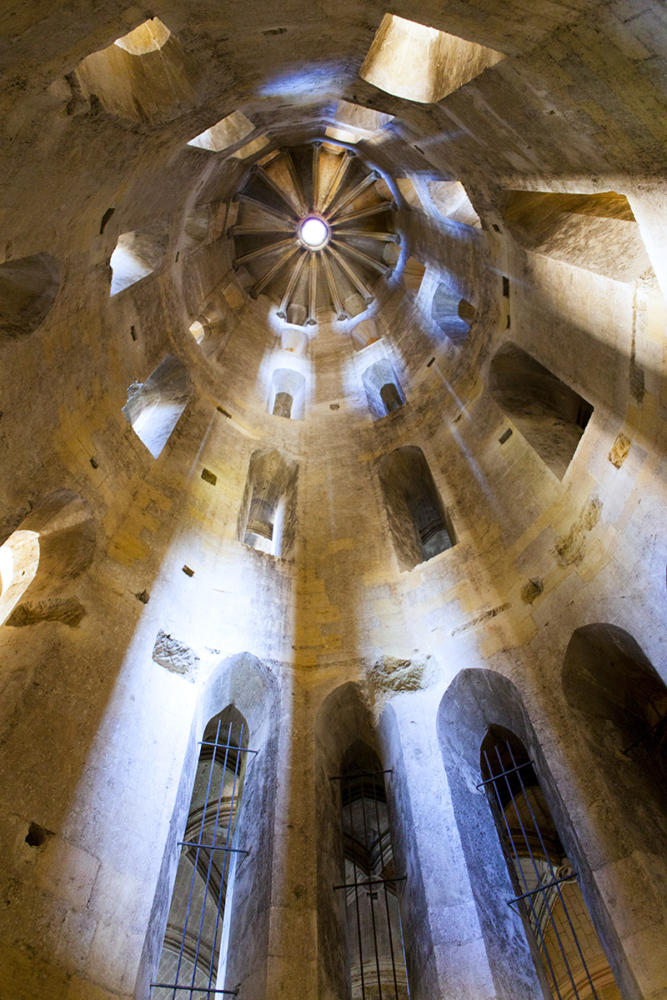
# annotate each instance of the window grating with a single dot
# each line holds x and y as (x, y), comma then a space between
(375, 947)
(548, 897)
(190, 961)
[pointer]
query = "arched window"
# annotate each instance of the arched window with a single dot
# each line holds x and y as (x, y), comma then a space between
(391, 397)
(452, 313)
(193, 957)
(374, 936)
(383, 390)
(563, 939)
(419, 523)
(288, 392)
(282, 405)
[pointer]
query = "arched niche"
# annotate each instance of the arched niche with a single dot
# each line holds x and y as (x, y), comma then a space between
(619, 705)
(418, 521)
(28, 288)
(142, 76)
(288, 392)
(551, 416)
(383, 390)
(267, 519)
(243, 688)
(54, 543)
(452, 313)
(597, 232)
(476, 703)
(136, 255)
(154, 407)
(346, 745)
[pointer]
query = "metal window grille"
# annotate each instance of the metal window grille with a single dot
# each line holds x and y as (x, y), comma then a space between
(548, 895)
(189, 962)
(373, 923)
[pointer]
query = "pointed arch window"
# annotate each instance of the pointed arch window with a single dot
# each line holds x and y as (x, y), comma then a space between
(565, 945)
(193, 958)
(374, 935)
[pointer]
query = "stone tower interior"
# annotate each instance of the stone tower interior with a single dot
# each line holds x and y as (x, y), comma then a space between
(332, 353)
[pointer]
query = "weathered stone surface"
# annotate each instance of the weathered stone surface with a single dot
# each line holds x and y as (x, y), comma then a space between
(67, 610)
(175, 655)
(572, 546)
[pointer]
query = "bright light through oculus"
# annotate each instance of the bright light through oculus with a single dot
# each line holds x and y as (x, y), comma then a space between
(314, 233)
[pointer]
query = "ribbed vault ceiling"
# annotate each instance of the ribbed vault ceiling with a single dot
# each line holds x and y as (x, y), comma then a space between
(328, 189)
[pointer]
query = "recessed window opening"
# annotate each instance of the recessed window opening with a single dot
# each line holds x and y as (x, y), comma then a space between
(565, 945)
(453, 314)
(142, 77)
(28, 288)
(420, 63)
(551, 416)
(136, 255)
(450, 200)
(154, 407)
(383, 390)
(193, 959)
(148, 37)
(287, 396)
(267, 519)
(597, 232)
(19, 560)
(225, 133)
(419, 524)
(282, 405)
(54, 542)
(371, 885)
(391, 397)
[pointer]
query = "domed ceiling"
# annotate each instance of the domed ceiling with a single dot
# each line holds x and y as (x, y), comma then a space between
(315, 230)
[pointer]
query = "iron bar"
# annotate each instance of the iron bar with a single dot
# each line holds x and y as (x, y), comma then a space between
(374, 881)
(194, 989)
(194, 867)
(370, 895)
(196, 947)
(557, 886)
(210, 861)
(358, 774)
(219, 907)
(211, 847)
(225, 746)
(542, 888)
(386, 898)
(520, 877)
(531, 856)
(502, 774)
